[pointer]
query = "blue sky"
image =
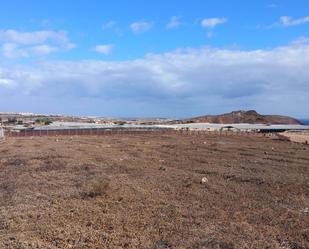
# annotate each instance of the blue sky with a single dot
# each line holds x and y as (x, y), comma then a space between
(154, 58)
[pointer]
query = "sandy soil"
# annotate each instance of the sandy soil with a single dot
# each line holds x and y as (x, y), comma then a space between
(146, 191)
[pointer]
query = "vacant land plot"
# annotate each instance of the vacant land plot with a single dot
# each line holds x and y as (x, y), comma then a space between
(146, 191)
(298, 137)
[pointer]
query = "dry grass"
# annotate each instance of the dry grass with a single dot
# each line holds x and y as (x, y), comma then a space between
(146, 191)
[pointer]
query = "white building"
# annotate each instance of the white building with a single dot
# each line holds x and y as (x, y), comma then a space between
(1, 133)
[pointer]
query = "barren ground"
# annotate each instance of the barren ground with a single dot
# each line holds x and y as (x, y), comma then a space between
(145, 191)
(298, 137)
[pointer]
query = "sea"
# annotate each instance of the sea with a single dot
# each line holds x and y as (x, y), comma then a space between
(304, 121)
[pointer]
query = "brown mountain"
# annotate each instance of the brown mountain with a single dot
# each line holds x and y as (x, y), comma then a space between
(251, 117)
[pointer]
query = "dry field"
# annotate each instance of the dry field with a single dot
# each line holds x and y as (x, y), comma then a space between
(298, 137)
(145, 191)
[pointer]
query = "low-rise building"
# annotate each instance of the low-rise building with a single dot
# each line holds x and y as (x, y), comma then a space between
(1, 133)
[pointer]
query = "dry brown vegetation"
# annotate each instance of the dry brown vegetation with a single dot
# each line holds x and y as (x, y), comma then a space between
(146, 191)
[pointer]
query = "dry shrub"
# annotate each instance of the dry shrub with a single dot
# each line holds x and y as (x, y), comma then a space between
(53, 164)
(98, 187)
(162, 244)
(15, 162)
(214, 243)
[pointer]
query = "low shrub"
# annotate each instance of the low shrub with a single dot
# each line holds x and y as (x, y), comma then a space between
(98, 187)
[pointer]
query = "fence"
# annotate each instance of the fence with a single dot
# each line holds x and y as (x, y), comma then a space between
(78, 132)
(99, 132)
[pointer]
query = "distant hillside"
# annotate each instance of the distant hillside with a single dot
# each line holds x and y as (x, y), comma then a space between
(251, 117)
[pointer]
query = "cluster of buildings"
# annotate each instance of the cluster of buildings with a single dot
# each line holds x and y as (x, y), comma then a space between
(24, 122)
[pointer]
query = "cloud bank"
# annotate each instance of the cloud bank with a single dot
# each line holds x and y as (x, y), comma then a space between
(178, 83)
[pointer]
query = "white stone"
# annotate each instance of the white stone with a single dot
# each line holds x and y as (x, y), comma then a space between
(204, 180)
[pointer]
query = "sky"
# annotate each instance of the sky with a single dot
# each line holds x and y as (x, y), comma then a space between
(154, 58)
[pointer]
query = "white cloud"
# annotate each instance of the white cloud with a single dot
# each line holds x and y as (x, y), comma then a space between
(301, 41)
(69, 46)
(288, 21)
(113, 27)
(12, 50)
(35, 37)
(104, 49)
(213, 22)
(42, 50)
(17, 44)
(6, 82)
(174, 22)
(109, 25)
(204, 79)
(140, 27)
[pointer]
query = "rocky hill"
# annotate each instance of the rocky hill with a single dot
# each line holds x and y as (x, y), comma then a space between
(250, 117)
